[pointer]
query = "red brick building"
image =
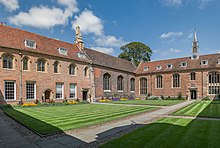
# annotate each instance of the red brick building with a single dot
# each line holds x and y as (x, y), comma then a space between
(34, 67)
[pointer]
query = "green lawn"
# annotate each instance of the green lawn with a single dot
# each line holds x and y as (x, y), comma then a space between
(201, 109)
(149, 102)
(49, 120)
(172, 132)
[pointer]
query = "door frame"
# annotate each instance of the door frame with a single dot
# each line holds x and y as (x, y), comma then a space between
(193, 94)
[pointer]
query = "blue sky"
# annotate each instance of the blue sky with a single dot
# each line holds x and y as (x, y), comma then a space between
(166, 26)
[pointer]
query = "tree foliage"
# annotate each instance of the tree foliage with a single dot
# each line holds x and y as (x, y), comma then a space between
(136, 52)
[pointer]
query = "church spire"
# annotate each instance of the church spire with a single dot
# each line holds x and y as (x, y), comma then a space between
(79, 39)
(195, 47)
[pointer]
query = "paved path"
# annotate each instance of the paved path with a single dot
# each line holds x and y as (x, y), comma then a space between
(9, 137)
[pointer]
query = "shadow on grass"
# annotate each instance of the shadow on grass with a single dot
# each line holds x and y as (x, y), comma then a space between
(171, 133)
(212, 110)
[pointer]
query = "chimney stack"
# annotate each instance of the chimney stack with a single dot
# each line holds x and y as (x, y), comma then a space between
(78, 38)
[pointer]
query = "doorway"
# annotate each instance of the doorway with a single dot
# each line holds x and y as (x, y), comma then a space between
(193, 94)
(47, 96)
(85, 95)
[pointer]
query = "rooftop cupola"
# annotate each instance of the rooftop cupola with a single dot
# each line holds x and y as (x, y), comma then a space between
(195, 47)
(78, 38)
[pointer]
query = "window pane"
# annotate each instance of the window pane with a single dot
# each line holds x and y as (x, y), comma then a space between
(72, 90)
(30, 90)
(59, 91)
(9, 90)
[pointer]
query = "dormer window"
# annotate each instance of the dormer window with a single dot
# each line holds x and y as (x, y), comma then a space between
(169, 66)
(218, 62)
(30, 43)
(183, 64)
(81, 55)
(158, 67)
(145, 68)
(204, 62)
(62, 51)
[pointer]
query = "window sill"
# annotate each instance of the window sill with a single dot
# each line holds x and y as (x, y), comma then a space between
(120, 91)
(107, 91)
(8, 68)
(42, 71)
(132, 91)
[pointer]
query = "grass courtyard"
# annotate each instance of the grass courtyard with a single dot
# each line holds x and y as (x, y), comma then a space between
(172, 132)
(150, 102)
(201, 109)
(54, 119)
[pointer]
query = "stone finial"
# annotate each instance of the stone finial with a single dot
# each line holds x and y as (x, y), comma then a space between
(78, 38)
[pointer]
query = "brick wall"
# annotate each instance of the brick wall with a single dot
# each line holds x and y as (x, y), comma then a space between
(44, 80)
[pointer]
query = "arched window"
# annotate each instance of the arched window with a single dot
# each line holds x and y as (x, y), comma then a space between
(8, 61)
(176, 80)
(214, 83)
(56, 67)
(132, 82)
(41, 65)
(25, 63)
(192, 76)
(85, 71)
(106, 81)
(143, 86)
(159, 81)
(120, 83)
(72, 69)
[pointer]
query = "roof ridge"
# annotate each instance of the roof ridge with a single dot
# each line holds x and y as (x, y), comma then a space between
(109, 55)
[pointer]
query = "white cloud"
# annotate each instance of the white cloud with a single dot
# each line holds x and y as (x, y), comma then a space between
(174, 50)
(46, 17)
(89, 23)
(204, 3)
(172, 3)
(109, 41)
(190, 36)
(10, 5)
(103, 50)
(170, 35)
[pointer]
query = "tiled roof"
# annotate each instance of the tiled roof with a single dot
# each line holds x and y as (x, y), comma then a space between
(192, 64)
(106, 60)
(14, 38)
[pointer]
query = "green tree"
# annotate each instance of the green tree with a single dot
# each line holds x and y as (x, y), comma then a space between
(136, 52)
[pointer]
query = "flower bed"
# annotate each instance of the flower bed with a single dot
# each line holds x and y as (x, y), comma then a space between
(123, 99)
(104, 101)
(29, 104)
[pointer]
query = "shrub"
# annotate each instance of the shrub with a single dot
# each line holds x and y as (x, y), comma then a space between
(206, 98)
(123, 99)
(137, 99)
(72, 102)
(179, 96)
(29, 104)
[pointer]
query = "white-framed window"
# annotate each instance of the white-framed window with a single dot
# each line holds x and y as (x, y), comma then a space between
(86, 71)
(143, 86)
(204, 62)
(73, 87)
(132, 83)
(10, 90)
(8, 61)
(106, 82)
(192, 76)
(25, 63)
(30, 90)
(56, 67)
(145, 68)
(62, 51)
(30, 44)
(159, 67)
(159, 81)
(72, 69)
(169, 66)
(183, 64)
(59, 91)
(176, 80)
(120, 83)
(41, 65)
(81, 55)
(218, 62)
